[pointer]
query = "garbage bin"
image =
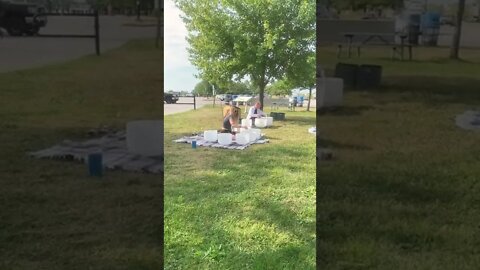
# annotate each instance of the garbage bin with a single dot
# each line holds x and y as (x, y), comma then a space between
(369, 76)
(347, 72)
(277, 116)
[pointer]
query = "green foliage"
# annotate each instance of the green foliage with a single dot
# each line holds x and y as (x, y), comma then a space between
(305, 75)
(203, 88)
(280, 87)
(263, 40)
(240, 88)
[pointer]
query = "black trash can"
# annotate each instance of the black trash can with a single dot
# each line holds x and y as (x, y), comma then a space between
(277, 116)
(369, 76)
(347, 72)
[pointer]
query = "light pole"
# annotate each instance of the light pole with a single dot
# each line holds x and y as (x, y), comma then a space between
(138, 10)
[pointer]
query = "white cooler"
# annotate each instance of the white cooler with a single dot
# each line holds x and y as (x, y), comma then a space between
(331, 92)
(145, 137)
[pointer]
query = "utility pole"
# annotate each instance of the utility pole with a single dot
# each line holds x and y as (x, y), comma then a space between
(138, 10)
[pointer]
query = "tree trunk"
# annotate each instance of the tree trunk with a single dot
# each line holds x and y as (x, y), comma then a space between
(454, 52)
(213, 94)
(309, 98)
(262, 91)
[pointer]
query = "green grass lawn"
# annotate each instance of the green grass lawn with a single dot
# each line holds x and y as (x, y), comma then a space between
(229, 209)
(403, 190)
(52, 215)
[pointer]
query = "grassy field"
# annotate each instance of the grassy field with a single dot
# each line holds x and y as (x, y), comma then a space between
(229, 209)
(403, 190)
(52, 215)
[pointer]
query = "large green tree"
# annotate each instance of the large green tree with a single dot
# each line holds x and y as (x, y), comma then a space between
(259, 39)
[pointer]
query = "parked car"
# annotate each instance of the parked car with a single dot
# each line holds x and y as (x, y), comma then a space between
(22, 17)
(170, 98)
(227, 98)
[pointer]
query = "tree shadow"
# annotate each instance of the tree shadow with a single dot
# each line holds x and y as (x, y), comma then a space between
(73, 212)
(343, 110)
(225, 185)
(335, 145)
(383, 206)
(431, 90)
(304, 120)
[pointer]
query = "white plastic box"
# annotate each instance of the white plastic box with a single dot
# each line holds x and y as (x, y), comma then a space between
(330, 92)
(145, 137)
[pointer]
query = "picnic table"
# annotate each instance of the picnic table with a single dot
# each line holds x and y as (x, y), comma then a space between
(384, 38)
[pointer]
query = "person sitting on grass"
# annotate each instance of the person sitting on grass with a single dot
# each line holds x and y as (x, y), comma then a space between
(255, 112)
(232, 120)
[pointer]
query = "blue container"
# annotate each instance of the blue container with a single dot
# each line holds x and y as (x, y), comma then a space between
(431, 20)
(194, 144)
(95, 164)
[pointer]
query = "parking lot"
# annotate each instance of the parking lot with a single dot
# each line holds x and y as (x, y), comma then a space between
(30, 52)
(178, 108)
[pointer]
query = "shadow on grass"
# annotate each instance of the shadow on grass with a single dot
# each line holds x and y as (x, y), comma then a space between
(77, 219)
(302, 120)
(397, 209)
(335, 145)
(343, 110)
(432, 90)
(222, 194)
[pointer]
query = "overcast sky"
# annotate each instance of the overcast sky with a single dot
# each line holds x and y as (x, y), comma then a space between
(179, 73)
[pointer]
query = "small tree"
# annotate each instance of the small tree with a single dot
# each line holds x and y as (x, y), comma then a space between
(203, 88)
(305, 76)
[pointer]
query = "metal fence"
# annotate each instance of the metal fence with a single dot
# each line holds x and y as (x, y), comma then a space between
(95, 35)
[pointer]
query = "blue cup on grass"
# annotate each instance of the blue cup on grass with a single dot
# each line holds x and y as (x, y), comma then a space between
(194, 144)
(95, 164)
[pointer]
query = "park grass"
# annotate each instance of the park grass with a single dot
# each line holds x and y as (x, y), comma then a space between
(403, 189)
(229, 209)
(52, 216)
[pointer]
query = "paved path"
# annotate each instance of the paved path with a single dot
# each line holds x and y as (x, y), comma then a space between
(28, 52)
(178, 108)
